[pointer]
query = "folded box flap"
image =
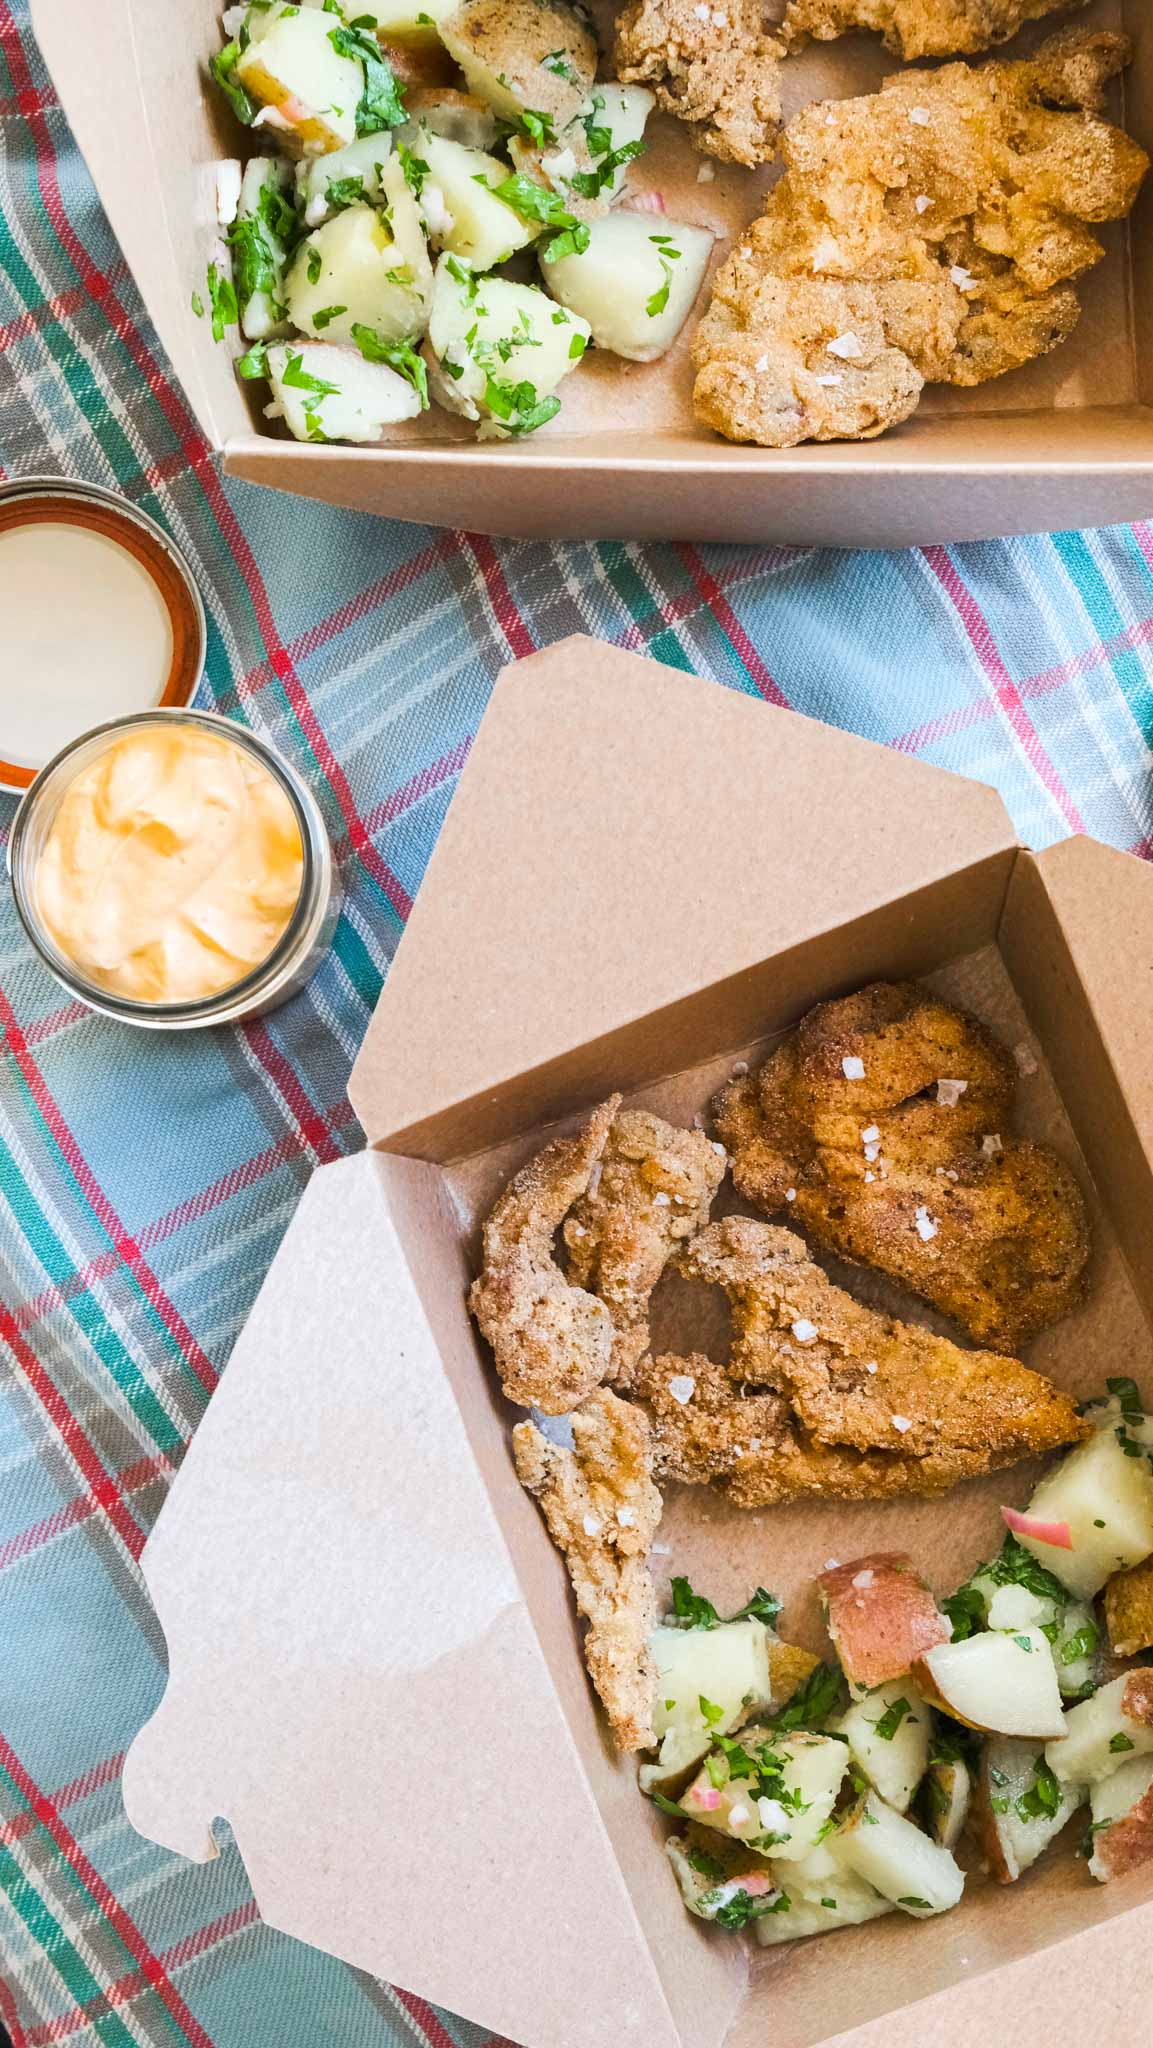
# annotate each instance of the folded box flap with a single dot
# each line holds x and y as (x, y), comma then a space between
(124, 74)
(624, 835)
(355, 1684)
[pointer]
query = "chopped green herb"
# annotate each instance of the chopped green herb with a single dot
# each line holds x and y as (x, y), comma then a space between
(670, 1706)
(1098, 1524)
(669, 254)
(590, 184)
(198, 305)
(277, 211)
(998, 1777)
(741, 1909)
(222, 299)
(254, 362)
(327, 314)
(1131, 1449)
(223, 67)
(414, 167)
(536, 202)
(540, 128)
(254, 266)
(668, 1806)
(300, 379)
(1082, 1643)
(922, 1905)
(891, 1719)
(999, 1805)
(704, 1864)
(1119, 1742)
(344, 191)
(1023, 1643)
(812, 1702)
(710, 1713)
(425, 21)
(690, 1610)
(717, 1768)
(560, 317)
(315, 266)
(559, 65)
(407, 362)
(1125, 1393)
(830, 1904)
(763, 1606)
(381, 104)
(966, 1610)
(1043, 1799)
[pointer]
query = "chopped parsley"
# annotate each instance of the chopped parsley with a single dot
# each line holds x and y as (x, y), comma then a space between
(1124, 1392)
(812, 1702)
(254, 362)
(559, 65)
(381, 104)
(668, 1806)
(254, 266)
(1131, 1449)
(763, 1606)
(831, 1904)
(1119, 1742)
(414, 167)
(344, 191)
(198, 305)
(315, 266)
(669, 254)
(407, 362)
(536, 202)
(590, 184)
(325, 317)
(704, 1864)
(1043, 1799)
(277, 211)
(1082, 1643)
(892, 1718)
(540, 128)
(222, 299)
(741, 1909)
(966, 1611)
(1023, 1643)
(223, 68)
(690, 1610)
(921, 1905)
(710, 1712)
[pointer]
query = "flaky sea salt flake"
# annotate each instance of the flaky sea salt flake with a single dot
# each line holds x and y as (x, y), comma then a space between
(682, 1387)
(919, 116)
(925, 1225)
(804, 1331)
(950, 1092)
(901, 1423)
(848, 347)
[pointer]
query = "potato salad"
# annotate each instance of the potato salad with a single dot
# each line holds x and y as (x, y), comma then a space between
(436, 213)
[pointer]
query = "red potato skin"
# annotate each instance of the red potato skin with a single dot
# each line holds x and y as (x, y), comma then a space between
(1127, 1844)
(880, 1630)
(418, 64)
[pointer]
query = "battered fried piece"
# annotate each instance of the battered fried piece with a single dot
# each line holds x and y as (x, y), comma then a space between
(602, 1511)
(552, 1342)
(823, 1395)
(909, 1167)
(918, 28)
(714, 67)
(1128, 1601)
(655, 1188)
(941, 220)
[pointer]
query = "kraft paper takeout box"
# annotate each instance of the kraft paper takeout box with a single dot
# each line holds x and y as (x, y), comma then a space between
(375, 1670)
(1065, 442)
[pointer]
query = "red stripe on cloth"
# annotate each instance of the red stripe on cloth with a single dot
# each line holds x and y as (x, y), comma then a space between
(48, 1814)
(105, 1488)
(418, 786)
(310, 1121)
(62, 307)
(508, 618)
(11, 2017)
(129, 1481)
(419, 2009)
(981, 640)
(371, 598)
(92, 1780)
(99, 1203)
(1040, 685)
(134, 1982)
(56, 1020)
(708, 587)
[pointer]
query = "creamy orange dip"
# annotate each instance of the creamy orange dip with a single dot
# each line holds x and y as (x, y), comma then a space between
(172, 866)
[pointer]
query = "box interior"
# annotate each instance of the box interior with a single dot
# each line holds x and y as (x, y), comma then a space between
(880, 1967)
(1099, 379)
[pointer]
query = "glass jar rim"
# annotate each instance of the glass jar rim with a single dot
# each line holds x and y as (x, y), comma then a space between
(239, 997)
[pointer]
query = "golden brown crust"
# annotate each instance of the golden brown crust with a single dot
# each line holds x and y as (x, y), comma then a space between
(1128, 1601)
(552, 1342)
(655, 1188)
(714, 67)
(602, 1511)
(918, 28)
(941, 220)
(823, 1395)
(895, 1171)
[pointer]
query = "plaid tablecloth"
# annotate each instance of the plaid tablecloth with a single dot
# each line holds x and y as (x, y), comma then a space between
(144, 1183)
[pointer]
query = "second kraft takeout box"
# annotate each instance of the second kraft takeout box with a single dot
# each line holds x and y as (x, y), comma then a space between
(1068, 441)
(376, 1675)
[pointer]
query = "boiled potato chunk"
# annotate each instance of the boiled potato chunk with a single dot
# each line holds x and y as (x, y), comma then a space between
(459, 115)
(1105, 1496)
(1021, 1807)
(290, 64)
(806, 1771)
(460, 213)
(888, 1735)
(404, 21)
(264, 191)
(847, 1902)
(1006, 1684)
(518, 54)
(612, 113)
(892, 1855)
(728, 1667)
(1099, 1735)
(636, 282)
(326, 184)
(881, 1616)
(720, 1882)
(947, 1790)
(499, 349)
(1121, 1810)
(357, 271)
(331, 394)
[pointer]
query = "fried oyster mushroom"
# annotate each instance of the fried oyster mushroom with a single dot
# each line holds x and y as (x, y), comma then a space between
(552, 1342)
(926, 233)
(714, 67)
(918, 28)
(824, 1395)
(881, 1124)
(654, 1189)
(602, 1511)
